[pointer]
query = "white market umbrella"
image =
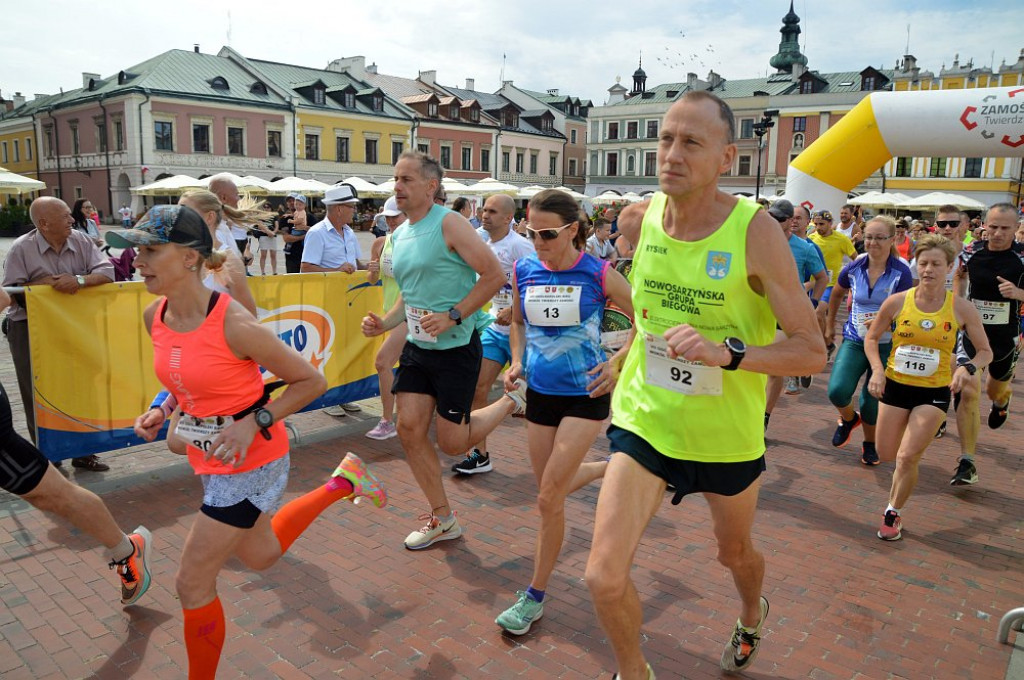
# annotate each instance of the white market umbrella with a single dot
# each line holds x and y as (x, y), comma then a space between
(169, 186)
(366, 188)
(530, 191)
(492, 186)
(253, 185)
(878, 199)
(575, 194)
(632, 197)
(387, 187)
(940, 198)
(288, 185)
(453, 186)
(609, 198)
(13, 183)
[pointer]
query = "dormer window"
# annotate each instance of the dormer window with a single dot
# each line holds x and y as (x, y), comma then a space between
(378, 102)
(474, 115)
(546, 125)
(258, 88)
(868, 84)
(453, 111)
(349, 100)
(806, 87)
(219, 83)
(576, 109)
(510, 119)
(432, 109)
(319, 95)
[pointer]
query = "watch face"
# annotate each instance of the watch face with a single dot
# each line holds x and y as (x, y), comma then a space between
(736, 345)
(264, 418)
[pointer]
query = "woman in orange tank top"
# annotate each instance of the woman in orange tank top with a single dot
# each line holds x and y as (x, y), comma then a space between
(208, 351)
(915, 389)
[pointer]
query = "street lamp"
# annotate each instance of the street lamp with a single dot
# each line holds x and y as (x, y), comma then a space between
(761, 128)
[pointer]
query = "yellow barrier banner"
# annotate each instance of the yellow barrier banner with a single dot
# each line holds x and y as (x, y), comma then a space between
(92, 359)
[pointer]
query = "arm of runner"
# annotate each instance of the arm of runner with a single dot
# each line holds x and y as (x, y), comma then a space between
(630, 220)
(373, 266)
(461, 237)
(236, 282)
(606, 373)
(148, 425)
(959, 280)
(1008, 290)
(969, 319)
(516, 340)
(834, 303)
(819, 285)
(374, 325)
(883, 321)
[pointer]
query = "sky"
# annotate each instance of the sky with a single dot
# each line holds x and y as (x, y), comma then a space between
(578, 47)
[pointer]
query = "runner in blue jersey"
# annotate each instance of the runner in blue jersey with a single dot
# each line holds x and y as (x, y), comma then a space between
(559, 297)
(871, 279)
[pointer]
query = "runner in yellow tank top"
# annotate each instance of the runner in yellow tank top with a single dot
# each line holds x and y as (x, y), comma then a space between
(915, 388)
(707, 268)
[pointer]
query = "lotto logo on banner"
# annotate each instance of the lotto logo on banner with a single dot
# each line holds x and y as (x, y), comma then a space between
(307, 330)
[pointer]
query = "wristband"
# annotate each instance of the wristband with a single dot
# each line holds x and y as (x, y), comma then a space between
(159, 399)
(815, 302)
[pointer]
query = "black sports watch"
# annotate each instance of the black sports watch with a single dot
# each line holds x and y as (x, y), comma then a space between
(738, 349)
(965, 363)
(455, 315)
(264, 418)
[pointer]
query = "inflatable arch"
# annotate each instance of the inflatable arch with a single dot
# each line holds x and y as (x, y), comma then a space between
(985, 122)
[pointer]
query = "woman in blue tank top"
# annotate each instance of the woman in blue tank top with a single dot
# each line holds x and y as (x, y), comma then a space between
(559, 296)
(870, 280)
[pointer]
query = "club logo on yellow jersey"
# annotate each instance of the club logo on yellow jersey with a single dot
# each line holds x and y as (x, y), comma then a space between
(718, 264)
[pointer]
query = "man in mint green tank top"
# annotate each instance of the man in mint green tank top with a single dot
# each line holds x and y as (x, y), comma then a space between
(445, 274)
(711, 275)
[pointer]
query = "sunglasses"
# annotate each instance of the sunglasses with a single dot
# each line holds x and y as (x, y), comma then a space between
(947, 224)
(546, 234)
(873, 237)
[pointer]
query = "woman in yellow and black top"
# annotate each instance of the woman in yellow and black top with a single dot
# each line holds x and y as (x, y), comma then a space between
(916, 386)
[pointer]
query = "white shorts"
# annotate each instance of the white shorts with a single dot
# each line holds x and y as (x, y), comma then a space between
(268, 243)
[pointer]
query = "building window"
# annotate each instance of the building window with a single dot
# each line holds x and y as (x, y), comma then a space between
(510, 118)
(485, 160)
(520, 162)
(446, 157)
(432, 109)
(650, 164)
(744, 166)
(312, 147)
(423, 147)
(972, 167)
(236, 141)
(378, 102)
(118, 136)
(17, 151)
(553, 164)
(48, 131)
(467, 158)
(28, 148)
(868, 83)
(79, 193)
(632, 129)
(101, 135)
(937, 168)
(613, 130)
(800, 124)
(341, 149)
(572, 136)
(349, 100)
(371, 151)
(274, 143)
(652, 129)
(200, 138)
(3, 152)
(533, 163)
(572, 167)
(453, 111)
(747, 128)
(75, 148)
(798, 140)
(164, 132)
(806, 87)
(504, 161)
(474, 114)
(904, 166)
(319, 96)
(630, 164)
(396, 150)
(612, 163)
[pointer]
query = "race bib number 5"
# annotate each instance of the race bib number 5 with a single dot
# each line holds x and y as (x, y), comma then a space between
(679, 375)
(553, 305)
(200, 432)
(413, 316)
(916, 360)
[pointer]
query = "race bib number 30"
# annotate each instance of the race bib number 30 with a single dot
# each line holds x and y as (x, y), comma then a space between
(994, 313)
(916, 360)
(679, 375)
(413, 316)
(553, 305)
(200, 432)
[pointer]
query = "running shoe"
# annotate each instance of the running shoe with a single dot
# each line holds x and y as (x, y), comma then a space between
(869, 455)
(650, 674)
(336, 411)
(742, 648)
(767, 417)
(805, 381)
(829, 351)
(518, 618)
(792, 386)
(134, 569)
(352, 408)
(518, 395)
(385, 430)
(941, 431)
(996, 415)
(845, 430)
(891, 529)
(364, 483)
(965, 474)
(474, 464)
(433, 532)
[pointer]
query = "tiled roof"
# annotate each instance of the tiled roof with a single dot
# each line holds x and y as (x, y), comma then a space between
(494, 102)
(397, 86)
(418, 98)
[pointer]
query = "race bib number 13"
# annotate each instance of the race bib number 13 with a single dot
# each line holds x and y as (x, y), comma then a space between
(553, 305)
(679, 375)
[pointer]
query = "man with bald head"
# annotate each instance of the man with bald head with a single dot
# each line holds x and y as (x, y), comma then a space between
(508, 246)
(227, 191)
(52, 254)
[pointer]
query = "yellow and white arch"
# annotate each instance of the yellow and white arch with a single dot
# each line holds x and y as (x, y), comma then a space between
(986, 122)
